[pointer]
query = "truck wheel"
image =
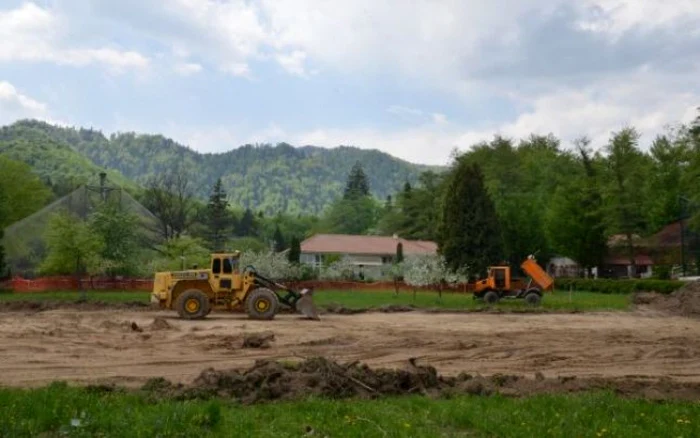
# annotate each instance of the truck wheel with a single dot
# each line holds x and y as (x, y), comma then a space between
(261, 303)
(533, 299)
(192, 304)
(491, 297)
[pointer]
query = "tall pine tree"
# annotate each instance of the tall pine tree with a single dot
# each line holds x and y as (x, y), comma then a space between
(246, 226)
(218, 217)
(469, 234)
(294, 254)
(358, 184)
(279, 243)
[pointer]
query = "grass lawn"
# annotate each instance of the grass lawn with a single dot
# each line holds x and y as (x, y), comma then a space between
(364, 299)
(59, 410)
(556, 301)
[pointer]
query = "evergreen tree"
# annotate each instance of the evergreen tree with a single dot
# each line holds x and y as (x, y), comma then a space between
(399, 252)
(294, 254)
(469, 235)
(278, 238)
(357, 185)
(218, 218)
(246, 226)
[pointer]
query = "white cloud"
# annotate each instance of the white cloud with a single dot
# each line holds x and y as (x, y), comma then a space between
(404, 111)
(188, 68)
(15, 105)
(34, 34)
(293, 62)
(238, 69)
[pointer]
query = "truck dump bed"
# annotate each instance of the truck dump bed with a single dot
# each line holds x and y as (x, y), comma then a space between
(537, 274)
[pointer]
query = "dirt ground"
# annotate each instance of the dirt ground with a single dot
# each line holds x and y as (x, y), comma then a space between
(129, 346)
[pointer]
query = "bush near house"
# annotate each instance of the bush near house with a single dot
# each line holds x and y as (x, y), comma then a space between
(608, 286)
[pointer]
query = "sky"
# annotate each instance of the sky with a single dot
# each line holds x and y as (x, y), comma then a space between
(414, 78)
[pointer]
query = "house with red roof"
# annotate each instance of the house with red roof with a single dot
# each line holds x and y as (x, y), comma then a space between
(371, 255)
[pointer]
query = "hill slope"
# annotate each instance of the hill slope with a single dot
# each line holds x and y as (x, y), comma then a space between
(270, 178)
(56, 163)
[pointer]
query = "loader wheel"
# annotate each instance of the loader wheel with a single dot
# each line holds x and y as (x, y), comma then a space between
(261, 303)
(533, 299)
(491, 297)
(193, 304)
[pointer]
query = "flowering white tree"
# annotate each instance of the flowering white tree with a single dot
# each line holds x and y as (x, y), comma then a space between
(342, 269)
(430, 271)
(272, 265)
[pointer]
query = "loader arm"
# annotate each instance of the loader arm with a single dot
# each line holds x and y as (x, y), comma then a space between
(298, 301)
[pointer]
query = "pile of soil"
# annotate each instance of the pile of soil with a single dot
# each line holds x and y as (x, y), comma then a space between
(160, 323)
(258, 340)
(127, 326)
(339, 309)
(268, 380)
(685, 301)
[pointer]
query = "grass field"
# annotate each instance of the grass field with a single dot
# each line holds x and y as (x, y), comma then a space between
(589, 301)
(59, 410)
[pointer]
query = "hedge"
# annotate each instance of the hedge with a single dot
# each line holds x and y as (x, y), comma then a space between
(608, 286)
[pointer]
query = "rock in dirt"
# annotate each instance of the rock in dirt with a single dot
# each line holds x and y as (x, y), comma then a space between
(268, 380)
(258, 340)
(685, 301)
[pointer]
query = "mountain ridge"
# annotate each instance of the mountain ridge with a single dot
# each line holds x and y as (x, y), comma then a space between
(270, 178)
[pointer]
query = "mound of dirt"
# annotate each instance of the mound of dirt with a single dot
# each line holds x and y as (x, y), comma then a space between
(127, 326)
(685, 301)
(160, 323)
(395, 308)
(342, 310)
(258, 340)
(268, 380)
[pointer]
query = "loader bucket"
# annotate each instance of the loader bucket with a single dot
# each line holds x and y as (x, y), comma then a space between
(305, 305)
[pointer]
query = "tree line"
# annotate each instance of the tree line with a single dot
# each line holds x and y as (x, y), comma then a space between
(498, 202)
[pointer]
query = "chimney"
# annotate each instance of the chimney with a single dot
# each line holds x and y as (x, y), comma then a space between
(396, 237)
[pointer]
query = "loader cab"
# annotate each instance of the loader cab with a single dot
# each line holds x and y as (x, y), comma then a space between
(225, 272)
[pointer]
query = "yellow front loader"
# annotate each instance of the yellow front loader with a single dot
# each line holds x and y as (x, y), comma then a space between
(227, 286)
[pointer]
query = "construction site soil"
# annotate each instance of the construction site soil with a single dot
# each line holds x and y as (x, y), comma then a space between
(652, 351)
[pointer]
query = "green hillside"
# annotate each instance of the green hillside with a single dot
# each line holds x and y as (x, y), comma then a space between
(262, 177)
(54, 161)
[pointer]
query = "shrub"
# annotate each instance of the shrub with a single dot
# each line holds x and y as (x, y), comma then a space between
(610, 286)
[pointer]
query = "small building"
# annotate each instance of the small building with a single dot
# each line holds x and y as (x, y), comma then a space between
(563, 267)
(372, 256)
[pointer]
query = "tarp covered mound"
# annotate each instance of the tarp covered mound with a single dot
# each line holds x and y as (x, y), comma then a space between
(25, 240)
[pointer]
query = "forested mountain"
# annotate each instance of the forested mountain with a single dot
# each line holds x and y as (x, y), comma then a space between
(56, 163)
(274, 179)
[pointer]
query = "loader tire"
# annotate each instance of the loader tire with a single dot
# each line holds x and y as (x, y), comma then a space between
(261, 303)
(491, 298)
(193, 304)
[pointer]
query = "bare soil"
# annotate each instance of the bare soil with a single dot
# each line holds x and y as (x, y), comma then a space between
(641, 351)
(685, 301)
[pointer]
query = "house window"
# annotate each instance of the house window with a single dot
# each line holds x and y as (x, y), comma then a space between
(387, 260)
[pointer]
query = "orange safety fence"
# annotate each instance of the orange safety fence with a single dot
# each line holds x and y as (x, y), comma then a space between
(68, 283)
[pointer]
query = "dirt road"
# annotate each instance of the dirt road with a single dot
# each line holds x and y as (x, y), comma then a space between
(128, 347)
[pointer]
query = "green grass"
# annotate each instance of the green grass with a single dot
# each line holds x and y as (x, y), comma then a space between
(584, 301)
(50, 411)
(556, 301)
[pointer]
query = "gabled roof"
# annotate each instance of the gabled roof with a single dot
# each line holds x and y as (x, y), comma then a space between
(370, 245)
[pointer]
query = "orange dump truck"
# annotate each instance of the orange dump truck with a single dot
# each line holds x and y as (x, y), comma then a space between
(499, 284)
